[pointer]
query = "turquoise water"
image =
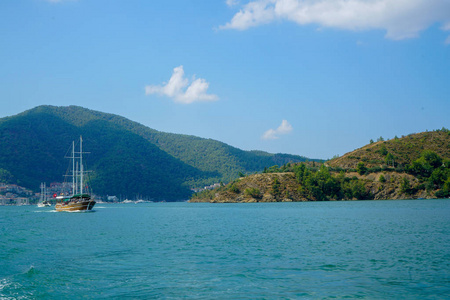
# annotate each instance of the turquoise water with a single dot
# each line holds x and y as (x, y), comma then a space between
(361, 249)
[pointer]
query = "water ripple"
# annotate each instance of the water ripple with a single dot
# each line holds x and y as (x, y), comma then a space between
(368, 249)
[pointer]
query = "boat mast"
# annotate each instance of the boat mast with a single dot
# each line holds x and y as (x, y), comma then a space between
(42, 192)
(76, 178)
(81, 165)
(73, 168)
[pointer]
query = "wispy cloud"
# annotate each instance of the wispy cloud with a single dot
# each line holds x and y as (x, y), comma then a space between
(180, 91)
(273, 134)
(231, 3)
(58, 1)
(400, 19)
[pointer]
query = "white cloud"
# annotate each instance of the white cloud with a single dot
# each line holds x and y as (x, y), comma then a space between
(400, 19)
(58, 1)
(231, 3)
(178, 88)
(273, 134)
(254, 14)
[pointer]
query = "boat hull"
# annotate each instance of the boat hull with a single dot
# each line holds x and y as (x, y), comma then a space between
(75, 205)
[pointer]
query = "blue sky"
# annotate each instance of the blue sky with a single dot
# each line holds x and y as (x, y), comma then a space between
(316, 78)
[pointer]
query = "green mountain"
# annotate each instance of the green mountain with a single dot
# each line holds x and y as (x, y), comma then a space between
(127, 158)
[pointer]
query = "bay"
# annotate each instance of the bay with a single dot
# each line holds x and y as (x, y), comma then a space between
(310, 250)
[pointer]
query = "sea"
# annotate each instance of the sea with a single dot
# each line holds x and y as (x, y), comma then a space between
(396, 249)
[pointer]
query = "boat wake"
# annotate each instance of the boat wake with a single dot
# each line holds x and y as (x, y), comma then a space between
(76, 211)
(45, 211)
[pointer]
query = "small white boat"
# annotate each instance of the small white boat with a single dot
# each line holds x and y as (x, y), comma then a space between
(43, 201)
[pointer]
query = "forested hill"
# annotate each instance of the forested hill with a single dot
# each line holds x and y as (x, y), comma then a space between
(128, 158)
(397, 153)
(411, 167)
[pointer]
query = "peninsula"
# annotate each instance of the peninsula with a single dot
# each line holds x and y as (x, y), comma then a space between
(410, 167)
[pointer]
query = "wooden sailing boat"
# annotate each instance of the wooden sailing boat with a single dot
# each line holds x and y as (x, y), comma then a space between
(79, 201)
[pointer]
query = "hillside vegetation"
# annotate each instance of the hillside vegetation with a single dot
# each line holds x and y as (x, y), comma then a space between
(416, 166)
(128, 159)
(397, 152)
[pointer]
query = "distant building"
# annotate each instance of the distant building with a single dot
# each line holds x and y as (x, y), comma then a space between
(208, 187)
(112, 199)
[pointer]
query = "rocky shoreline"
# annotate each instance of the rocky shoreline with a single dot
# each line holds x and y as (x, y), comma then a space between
(283, 187)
